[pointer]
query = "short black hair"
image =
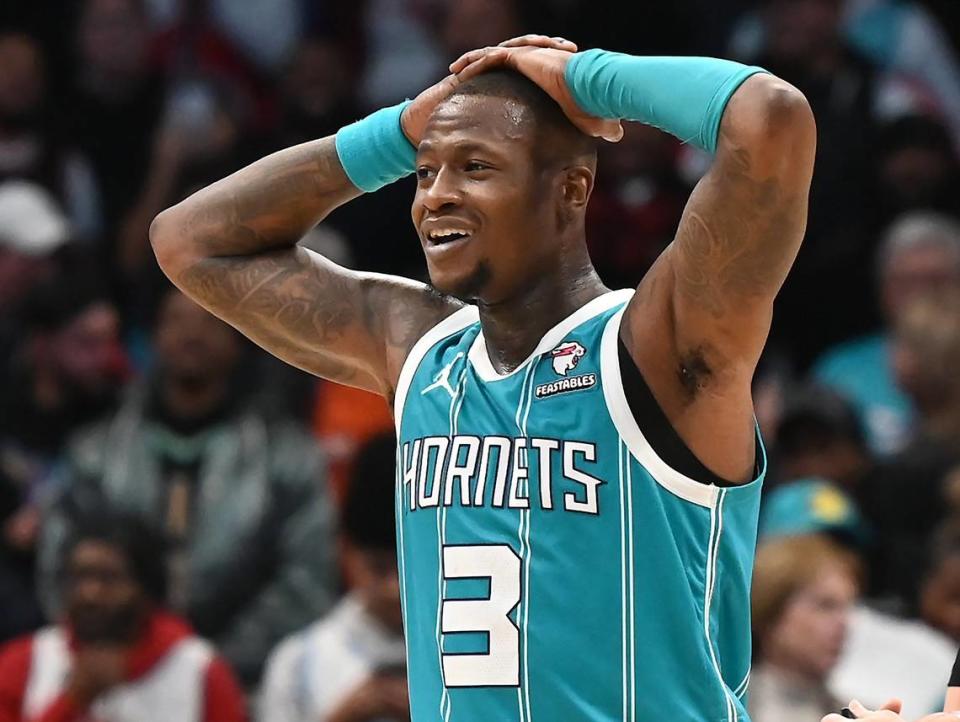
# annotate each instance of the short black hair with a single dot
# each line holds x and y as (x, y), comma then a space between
(141, 544)
(54, 304)
(368, 517)
(814, 417)
(557, 136)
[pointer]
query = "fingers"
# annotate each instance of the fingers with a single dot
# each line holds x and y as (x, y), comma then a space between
(480, 64)
(833, 718)
(894, 705)
(540, 41)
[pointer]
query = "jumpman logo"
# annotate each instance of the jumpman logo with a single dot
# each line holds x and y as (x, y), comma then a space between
(442, 379)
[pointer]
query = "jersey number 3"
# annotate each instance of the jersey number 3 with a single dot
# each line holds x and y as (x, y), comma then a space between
(500, 666)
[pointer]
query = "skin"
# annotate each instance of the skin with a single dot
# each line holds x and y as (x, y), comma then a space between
(695, 328)
(808, 637)
(105, 607)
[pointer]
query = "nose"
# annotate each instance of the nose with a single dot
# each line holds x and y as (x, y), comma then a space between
(443, 192)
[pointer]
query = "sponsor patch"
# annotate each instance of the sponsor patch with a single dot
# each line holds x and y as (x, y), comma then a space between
(562, 386)
(566, 356)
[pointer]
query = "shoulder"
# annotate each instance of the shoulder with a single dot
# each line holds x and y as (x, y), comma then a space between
(16, 653)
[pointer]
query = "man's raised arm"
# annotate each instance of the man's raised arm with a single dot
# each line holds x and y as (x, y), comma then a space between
(232, 247)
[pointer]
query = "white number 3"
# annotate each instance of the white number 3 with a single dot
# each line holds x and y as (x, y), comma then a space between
(500, 666)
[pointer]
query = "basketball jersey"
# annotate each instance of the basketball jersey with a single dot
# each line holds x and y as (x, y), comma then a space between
(552, 565)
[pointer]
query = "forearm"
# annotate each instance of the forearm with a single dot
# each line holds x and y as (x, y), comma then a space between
(265, 206)
(686, 97)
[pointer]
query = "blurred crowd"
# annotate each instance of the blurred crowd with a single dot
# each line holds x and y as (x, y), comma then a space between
(179, 511)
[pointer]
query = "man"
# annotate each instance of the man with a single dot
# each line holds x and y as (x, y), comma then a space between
(238, 492)
(552, 561)
(919, 255)
(349, 666)
(118, 656)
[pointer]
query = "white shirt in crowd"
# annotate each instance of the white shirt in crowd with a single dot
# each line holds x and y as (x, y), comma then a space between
(311, 672)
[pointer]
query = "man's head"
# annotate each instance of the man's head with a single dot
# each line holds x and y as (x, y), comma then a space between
(940, 590)
(113, 40)
(502, 169)
(32, 229)
(113, 572)
(194, 347)
(22, 80)
(74, 329)
(368, 531)
(799, 31)
(819, 435)
(919, 255)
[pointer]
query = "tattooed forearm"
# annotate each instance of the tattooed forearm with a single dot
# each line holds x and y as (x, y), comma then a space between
(269, 204)
(232, 248)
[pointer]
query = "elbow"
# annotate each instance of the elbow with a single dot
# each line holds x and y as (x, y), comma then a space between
(775, 121)
(782, 114)
(168, 243)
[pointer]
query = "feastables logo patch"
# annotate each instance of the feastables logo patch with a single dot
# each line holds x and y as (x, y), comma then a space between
(564, 359)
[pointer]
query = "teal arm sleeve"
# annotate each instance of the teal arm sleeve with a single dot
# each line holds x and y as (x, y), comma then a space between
(685, 97)
(374, 151)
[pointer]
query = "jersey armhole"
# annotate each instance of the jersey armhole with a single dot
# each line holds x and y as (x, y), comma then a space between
(656, 445)
(456, 321)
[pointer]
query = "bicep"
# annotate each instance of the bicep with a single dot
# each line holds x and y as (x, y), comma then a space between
(742, 227)
(318, 316)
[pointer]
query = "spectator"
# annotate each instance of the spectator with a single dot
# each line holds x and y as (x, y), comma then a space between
(115, 102)
(918, 169)
(348, 667)
(881, 652)
(939, 597)
(118, 655)
(636, 204)
(920, 254)
(910, 493)
(240, 496)
(65, 372)
(32, 229)
(819, 435)
(831, 278)
(30, 149)
(803, 592)
(317, 92)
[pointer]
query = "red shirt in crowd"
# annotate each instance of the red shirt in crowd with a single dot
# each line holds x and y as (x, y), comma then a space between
(34, 668)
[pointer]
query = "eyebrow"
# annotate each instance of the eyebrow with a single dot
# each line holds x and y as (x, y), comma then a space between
(465, 147)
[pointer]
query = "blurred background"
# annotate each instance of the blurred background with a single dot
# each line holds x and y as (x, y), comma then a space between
(120, 396)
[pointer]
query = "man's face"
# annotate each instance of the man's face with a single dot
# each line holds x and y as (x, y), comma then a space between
(104, 603)
(22, 79)
(478, 182)
(928, 268)
(797, 28)
(88, 348)
(373, 574)
(193, 344)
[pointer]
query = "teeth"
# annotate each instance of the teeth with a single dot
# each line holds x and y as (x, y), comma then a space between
(444, 232)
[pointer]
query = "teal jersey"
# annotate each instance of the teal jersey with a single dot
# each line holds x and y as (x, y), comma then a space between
(552, 566)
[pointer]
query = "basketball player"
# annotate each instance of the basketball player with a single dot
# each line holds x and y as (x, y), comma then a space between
(578, 468)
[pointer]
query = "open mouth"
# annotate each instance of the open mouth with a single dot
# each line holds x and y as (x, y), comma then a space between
(443, 236)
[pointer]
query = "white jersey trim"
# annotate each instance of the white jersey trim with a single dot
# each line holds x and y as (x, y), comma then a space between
(665, 475)
(456, 321)
(480, 359)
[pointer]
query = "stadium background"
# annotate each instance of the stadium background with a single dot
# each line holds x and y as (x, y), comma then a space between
(111, 110)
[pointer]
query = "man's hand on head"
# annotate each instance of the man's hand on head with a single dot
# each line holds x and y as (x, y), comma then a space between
(416, 115)
(544, 63)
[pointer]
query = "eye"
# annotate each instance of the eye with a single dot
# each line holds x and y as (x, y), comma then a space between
(424, 172)
(476, 165)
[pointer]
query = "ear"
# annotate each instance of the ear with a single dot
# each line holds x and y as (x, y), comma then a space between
(576, 186)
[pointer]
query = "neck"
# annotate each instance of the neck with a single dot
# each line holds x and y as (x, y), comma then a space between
(191, 400)
(512, 328)
(784, 669)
